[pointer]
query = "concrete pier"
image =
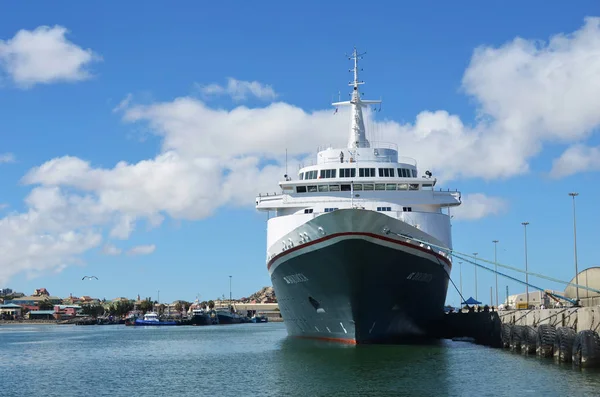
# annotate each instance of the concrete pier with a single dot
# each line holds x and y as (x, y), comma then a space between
(578, 318)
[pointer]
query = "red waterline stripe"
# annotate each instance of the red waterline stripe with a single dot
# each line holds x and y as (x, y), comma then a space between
(373, 235)
(347, 341)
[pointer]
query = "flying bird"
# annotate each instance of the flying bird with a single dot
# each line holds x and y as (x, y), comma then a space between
(89, 277)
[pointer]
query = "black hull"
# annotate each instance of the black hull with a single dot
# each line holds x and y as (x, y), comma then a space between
(358, 290)
(203, 319)
(228, 319)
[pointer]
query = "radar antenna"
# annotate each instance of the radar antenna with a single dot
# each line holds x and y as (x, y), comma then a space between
(358, 136)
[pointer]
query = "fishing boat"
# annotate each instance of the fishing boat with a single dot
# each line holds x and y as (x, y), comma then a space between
(200, 317)
(151, 319)
(259, 318)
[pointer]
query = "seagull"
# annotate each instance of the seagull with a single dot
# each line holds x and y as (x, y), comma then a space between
(89, 277)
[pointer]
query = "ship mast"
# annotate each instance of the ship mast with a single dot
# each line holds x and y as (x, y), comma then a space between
(358, 137)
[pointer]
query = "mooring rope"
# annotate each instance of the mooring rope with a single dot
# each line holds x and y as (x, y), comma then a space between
(462, 256)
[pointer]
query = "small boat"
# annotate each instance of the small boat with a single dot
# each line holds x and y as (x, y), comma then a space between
(259, 318)
(200, 317)
(151, 318)
(229, 316)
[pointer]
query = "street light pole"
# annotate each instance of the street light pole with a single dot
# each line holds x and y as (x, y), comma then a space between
(461, 294)
(475, 266)
(574, 194)
(229, 290)
(526, 271)
(496, 267)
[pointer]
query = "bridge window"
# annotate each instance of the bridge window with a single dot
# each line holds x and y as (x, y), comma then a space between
(310, 175)
(323, 188)
(414, 173)
(390, 186)
(367, 186)
(301, 176)
(384, 208)
(347, 172)
(380, 186)
(357, 186)
(386, 172)
(334, 188)
(346, 188)
(413, 186)
(403, 186)
(308, 211)
(312, 189)
(407, 209)
(366, 172)
(300, 189)
(327, 173)
(330, 209)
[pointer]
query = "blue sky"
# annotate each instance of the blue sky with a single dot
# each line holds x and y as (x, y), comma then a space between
(148, 85)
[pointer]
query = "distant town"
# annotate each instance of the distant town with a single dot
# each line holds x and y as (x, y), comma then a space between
(42, 306)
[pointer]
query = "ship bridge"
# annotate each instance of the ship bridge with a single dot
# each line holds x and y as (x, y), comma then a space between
(365, 174)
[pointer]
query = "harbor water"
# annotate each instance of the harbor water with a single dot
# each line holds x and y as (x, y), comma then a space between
(260, 360)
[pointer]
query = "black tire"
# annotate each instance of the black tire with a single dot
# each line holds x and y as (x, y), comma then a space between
(516, 338)
(586, 349)
(563, 344)
(529, 340)
(506, 329)
(546, 334)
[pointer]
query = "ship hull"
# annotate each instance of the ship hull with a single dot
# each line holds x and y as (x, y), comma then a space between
(361, 288)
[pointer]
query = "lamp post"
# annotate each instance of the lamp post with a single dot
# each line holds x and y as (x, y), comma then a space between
(526, 270)
(475, 266)
(496, 267)
(229, 290)
(574, 194)
(461, 294)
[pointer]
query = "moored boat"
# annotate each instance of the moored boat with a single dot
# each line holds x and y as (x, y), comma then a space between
(151, 319)
(348, 246)
(259, 318)
(199, 317)
(229, 316)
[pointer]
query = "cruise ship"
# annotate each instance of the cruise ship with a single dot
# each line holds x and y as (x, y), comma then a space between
(347, 241)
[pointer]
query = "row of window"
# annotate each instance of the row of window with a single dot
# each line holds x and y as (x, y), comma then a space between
(362, 173)
(358, 187)
(405, 209)
(309, 175)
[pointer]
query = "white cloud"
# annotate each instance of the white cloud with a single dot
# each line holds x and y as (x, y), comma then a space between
(577, 158)
(214, 157)
(44, 55)
(7, 158)
(142, 250)
(110, 249)
(3, 206)
(240, 90)
(477, 205)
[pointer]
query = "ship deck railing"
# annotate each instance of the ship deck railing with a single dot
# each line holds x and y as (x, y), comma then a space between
(310, 198)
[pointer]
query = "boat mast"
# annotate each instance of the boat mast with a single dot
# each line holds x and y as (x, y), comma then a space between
(358, 137)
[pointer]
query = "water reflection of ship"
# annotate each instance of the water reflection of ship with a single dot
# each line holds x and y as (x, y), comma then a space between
(375, 370)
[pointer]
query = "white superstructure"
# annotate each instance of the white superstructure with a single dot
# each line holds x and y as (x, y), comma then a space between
(365, 177)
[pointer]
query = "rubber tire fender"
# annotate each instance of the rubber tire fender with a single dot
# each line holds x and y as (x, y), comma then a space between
(586, 349)
(516, 338)
(529, 340)
(544, 346)
(506, 330)
(563, 344)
